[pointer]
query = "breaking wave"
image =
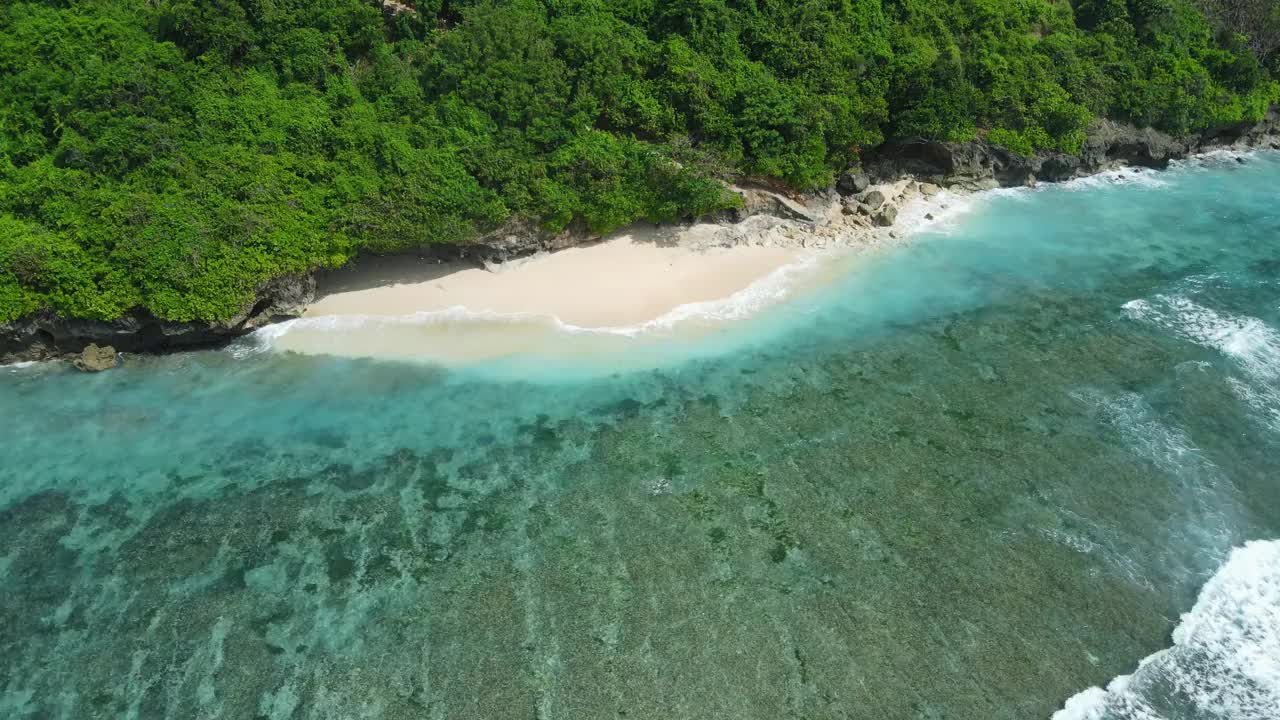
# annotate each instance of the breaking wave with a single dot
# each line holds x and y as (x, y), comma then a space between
(1145, 177)
(1248, 340)
(1252, 344)
(1225, 660)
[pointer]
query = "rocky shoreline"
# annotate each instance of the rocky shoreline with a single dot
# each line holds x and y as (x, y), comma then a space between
(861, 206)
(46, 336)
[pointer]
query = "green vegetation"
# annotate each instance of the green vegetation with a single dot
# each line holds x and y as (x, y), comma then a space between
(175, 154)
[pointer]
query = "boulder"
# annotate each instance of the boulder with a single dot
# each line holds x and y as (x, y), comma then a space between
(929, 189)
(873, 200)
(852, 183)
(96, 358)
(887, 216)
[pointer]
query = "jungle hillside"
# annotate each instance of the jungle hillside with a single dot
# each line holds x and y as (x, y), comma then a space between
(174, 155)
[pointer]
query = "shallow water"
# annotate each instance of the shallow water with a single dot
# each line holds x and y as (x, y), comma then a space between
(972, 478)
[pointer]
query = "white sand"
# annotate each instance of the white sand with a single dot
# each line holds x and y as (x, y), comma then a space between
(639, 295)
(623, 281)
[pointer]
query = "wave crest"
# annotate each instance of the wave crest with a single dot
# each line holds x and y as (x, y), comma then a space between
(1225, 660)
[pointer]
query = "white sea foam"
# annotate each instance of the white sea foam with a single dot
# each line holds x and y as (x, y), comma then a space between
(948, 207)
(765, 292)
(1077, 542)
(1153, 178)
(449, 316)
(1168, 447)
(1248, 340)
(1218, 158)
(1142, 176)
(1264, 401)
(28, 365)
(941, 212)
(1096, 540)
(1145, 177)
(1225, 660)
(1251, 343)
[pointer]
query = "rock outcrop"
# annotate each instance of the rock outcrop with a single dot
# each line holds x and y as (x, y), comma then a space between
(977, 165)
(518, 238)
(95, 358)
(760, 200)
(45, 335)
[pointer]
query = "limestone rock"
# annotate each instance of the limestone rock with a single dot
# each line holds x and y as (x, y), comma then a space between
(887, 216)
(759, 201)
(929, 189)
(873, 200)
(1058, 167)
(96, 358)
(278, 299)
(852, 183)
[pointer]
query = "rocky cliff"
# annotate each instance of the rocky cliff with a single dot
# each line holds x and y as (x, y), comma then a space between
(45, 335)
(977, 165)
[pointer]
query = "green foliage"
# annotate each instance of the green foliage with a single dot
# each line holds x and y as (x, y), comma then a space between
(175, 155)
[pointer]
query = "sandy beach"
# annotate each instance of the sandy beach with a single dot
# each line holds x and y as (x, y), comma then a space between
(632, 286)
(626, 280)
(638, 291)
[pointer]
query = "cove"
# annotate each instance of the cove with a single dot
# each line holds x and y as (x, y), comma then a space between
(973, 476)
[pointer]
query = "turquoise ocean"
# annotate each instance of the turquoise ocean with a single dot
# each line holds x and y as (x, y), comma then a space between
(1026, 465)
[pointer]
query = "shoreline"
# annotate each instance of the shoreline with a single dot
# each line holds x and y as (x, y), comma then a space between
(625, 280)
(618, 299)
(640, 286)
(641, 280)
(915, 193)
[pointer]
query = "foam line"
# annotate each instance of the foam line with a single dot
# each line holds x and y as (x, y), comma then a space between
(1225, 658)
(1248, 340)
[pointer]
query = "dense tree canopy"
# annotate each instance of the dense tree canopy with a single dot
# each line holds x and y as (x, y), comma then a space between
(175, 154)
